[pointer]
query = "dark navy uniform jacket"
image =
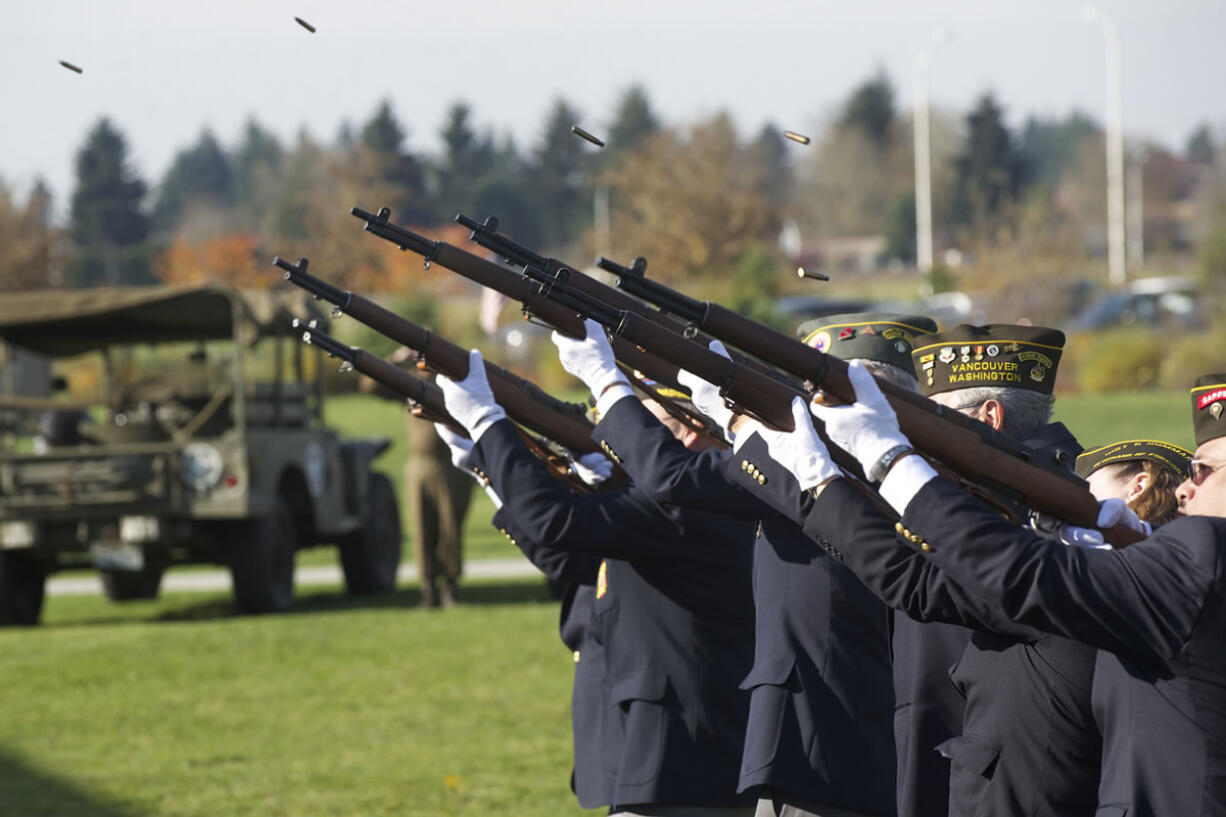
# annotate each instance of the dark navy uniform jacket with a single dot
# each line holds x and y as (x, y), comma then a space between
(1029, 744)
(591, 778)
(1158, 609)
(673, 611)
(822, 703)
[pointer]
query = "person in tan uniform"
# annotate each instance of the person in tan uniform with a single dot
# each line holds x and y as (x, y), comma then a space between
(437, 496)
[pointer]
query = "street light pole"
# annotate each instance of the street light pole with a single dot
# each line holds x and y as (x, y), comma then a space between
(922, 139)
(923, 166)
(1115, 144)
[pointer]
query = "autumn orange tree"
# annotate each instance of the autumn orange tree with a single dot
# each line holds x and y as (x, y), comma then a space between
(691, 201)
(30, 249)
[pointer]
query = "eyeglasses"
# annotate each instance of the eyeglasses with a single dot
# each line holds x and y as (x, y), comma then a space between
(1201, 469)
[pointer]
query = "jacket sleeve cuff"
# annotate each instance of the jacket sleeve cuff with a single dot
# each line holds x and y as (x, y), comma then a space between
(613, 394)
(904, 481)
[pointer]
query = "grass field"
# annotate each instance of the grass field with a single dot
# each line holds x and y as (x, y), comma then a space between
(178, 708)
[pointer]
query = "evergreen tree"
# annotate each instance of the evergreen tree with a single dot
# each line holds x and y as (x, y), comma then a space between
(107, 224)
(770, 152)
(560, 178)
(870, 109)
(467, 159)
(256, 161)
(1052, 146)
(634, 120)
(391, 165)
(900, 229)
(990, 170)
(201, 174)
(1200, 146)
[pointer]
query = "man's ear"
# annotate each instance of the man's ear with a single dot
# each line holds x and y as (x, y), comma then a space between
(1137, 486)
(993, 413)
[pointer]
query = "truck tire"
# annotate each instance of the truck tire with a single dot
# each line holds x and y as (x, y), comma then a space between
(130, 585)
(262, 562)
(23, 578)
(370, 556)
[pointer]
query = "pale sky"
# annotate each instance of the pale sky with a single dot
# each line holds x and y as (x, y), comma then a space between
(163, 69)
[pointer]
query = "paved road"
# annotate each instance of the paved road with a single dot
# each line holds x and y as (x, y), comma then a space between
(197, 581)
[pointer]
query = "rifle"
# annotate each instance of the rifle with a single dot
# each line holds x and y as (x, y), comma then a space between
(521, 289)
(426, 402)
(523, 400)
(968, 446)
(973, 450)
(539, 267)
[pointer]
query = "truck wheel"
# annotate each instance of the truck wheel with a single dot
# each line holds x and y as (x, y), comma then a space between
(129, 585)
(370, 556)
(262, 562)
(23, 579)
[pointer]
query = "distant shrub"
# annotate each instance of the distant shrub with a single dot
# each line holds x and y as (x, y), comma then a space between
(1120, 361)
(1192, 356)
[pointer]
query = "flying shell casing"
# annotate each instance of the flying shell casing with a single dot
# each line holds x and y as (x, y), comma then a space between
(305, 24)
(797, 137)
(582, 134)
(72, 67)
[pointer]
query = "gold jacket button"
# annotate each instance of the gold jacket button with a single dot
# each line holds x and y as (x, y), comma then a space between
(576, 656)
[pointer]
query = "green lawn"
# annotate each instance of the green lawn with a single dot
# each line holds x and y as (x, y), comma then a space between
(177, 708)
(1106, 418)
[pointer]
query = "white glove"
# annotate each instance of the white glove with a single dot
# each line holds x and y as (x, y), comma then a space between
(867, 428)
(1111, 512)
(801, 451)
(705, 396)
(591, 359)
(470, 400)
(461, 447)
(593, 468)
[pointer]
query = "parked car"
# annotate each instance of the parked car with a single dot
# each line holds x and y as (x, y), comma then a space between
(1152, 303)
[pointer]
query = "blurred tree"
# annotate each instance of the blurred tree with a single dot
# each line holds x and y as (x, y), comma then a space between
(1201, 148)
(29, 245)
(990, 168)
(633, 121)
(900, 229)
(107, 224)
(692, 203)
(1051, 145)
(256, 165)
(769, 149)
(230, 260)
(303, 181)
(198, 176)
(870, 109)
(468, 157)
(383, 159)
(559, 179)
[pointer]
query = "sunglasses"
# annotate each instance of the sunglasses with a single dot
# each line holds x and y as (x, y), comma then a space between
(1201, 469)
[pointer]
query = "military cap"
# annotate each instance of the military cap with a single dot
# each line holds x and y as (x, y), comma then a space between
(1164, 454)
(1208, 402)
(885, 337)
(998, 355)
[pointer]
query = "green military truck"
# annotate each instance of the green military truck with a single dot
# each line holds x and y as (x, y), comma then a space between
(194, 434)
